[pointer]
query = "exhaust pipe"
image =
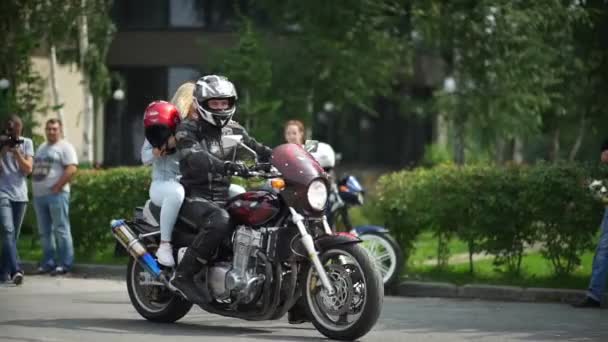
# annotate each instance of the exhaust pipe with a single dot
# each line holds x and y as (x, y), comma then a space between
(127, 239)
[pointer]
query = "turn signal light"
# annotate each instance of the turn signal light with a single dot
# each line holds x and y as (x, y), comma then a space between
(277, 183)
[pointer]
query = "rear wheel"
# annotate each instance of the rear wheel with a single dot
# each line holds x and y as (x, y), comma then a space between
(386, 255)
(151, 298)
(354, 308)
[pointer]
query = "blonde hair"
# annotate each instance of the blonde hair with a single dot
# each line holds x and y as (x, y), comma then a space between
(183, 99)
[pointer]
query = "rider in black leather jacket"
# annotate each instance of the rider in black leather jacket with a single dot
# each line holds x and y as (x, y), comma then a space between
(206, 169)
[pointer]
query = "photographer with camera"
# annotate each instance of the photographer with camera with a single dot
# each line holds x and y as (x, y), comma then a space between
(16, 159)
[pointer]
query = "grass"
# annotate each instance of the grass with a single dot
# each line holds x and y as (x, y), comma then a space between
(536, 272)
(30, 250)
(425, 248)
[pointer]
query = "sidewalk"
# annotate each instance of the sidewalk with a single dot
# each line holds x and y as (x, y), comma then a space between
(85, 270)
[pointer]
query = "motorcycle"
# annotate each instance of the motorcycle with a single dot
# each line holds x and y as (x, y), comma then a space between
(382, 248)
(282, 254)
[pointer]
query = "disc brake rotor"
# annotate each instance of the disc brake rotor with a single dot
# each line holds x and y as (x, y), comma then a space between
(340, 302)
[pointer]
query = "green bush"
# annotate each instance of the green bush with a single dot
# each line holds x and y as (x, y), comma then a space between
(99, 196)
(495, 210)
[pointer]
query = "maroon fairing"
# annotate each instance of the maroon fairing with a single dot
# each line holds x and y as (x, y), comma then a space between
(253, 208)
(299, 169)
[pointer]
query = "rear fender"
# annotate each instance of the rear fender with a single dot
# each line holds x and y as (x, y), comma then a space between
(366, 229)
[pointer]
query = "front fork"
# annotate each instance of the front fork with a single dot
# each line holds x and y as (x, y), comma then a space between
(310, 248)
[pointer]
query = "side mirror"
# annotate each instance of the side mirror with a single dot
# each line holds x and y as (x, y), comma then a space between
(311, 145)
(230, 141)
(234, 141)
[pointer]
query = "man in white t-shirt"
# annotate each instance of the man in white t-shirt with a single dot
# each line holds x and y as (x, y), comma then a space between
(55, 163)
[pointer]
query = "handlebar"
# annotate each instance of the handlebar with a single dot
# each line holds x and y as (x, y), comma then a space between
(262, 170)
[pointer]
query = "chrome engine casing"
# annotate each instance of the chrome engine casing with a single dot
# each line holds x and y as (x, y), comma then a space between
(238, 281)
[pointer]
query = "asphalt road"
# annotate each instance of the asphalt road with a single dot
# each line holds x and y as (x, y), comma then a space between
(69, 309)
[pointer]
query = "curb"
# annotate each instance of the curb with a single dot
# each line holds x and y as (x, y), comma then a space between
(84, 270)
(489, 292)
(405, 289)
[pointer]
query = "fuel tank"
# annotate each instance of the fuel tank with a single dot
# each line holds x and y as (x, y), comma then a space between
(253, 208)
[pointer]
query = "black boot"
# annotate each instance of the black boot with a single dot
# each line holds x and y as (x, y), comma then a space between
(183, 279)
(297, 314)
(588, 302)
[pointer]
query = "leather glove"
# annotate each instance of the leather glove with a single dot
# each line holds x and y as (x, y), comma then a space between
(236, 169)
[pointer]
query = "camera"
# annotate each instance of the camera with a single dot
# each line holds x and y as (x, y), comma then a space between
(9, 136)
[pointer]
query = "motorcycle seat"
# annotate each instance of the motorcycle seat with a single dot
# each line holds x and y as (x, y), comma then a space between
(151, 214)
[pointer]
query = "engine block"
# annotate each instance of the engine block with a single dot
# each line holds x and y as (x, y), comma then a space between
(239, 279)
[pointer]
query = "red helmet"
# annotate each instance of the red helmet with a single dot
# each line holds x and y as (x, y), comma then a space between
(160, 120)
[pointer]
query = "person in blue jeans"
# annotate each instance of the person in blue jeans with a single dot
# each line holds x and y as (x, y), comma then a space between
(599, 269)
(15, 164)
(55, 163)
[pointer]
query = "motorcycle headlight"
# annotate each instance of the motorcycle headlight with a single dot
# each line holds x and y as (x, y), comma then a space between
(317, 195)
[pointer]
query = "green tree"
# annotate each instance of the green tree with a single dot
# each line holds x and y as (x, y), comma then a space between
(250, 68)
(346, 54)
(507, 58)
(29, 26)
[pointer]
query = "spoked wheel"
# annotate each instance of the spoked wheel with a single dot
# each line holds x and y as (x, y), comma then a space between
(386, 255)
(354, 308)
(151, 298)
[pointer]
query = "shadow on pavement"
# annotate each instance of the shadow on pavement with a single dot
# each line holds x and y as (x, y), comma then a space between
(142, 327)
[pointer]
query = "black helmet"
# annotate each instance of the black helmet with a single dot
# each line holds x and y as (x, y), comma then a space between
(213, 87)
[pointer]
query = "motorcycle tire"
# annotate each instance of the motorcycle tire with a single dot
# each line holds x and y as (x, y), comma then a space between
(371, 305)
(388, 241)
(170, 311)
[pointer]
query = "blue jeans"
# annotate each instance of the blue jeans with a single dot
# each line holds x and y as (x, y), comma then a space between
(52, 212)
(599, 271)
(11, 218)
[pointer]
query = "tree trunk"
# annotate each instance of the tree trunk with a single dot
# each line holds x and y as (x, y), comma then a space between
(441, 130)
(87, 141)
(518, 150)
(459, 133)
(500, 149)
(57, 103)
(471, 253)
(579, 138)
(310, 104)
(555, 145)
(248, 106)
(99, 128)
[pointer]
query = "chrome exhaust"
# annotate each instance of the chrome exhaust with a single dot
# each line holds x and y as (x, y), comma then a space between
(127, 239)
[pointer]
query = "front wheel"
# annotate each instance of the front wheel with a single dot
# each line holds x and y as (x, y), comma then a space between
(386, 255)
(357, 302)
(151, 298)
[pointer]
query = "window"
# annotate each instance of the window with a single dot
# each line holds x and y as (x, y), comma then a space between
(177, 76)
(140, 14)
(187, 13)
(213, 15)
